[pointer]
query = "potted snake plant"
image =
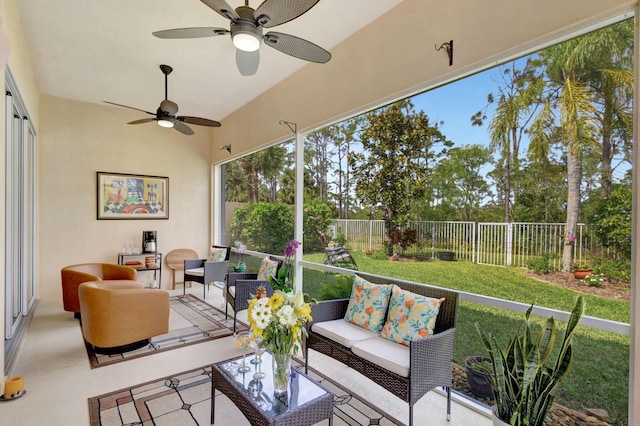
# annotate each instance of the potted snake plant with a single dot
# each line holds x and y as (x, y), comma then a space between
(525, 378)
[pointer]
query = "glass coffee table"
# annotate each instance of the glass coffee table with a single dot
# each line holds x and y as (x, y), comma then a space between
(306, 402)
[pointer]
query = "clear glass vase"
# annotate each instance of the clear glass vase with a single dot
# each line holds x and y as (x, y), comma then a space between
(281, 373)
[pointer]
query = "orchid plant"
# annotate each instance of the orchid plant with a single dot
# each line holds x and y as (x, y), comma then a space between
(283, 280)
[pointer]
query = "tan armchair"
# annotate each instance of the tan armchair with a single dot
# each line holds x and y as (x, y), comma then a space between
(74, 275)
(120, 313)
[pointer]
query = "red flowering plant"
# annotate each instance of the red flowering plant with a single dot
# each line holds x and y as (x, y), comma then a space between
(283, 280)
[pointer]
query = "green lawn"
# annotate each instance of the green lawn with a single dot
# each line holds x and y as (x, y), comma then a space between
(599, 378)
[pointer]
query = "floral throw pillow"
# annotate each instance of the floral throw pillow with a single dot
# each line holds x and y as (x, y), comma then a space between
(411, 316)
(216, 254)
(368, 304)
(268, 268)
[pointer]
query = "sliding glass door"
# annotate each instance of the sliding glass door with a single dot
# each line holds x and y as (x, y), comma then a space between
(20, 169)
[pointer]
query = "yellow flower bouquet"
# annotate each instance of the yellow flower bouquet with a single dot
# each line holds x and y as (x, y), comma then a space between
(279, 321)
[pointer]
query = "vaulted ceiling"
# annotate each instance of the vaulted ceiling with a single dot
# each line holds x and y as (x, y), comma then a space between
(96, 51)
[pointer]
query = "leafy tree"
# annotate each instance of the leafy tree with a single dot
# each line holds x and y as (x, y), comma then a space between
(399, 147)
(345, 140)
(258, 176)
(460, 183)
(612, 222)
(287, 193)
(542, 193)
(318, 159)
(234, 184)
(273, 161)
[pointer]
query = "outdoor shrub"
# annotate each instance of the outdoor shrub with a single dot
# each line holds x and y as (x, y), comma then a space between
(340, 289)
(379, 255)
(407, 238)
(239, 219)
(616, 270)
(541, 265)
(341, 239)
(612, 221)
(265, 227)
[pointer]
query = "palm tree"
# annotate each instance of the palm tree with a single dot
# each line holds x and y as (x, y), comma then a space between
(516, 104)
(572, 70)
(612, 84)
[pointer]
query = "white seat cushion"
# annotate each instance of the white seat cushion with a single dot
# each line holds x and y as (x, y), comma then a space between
(385, 353)
(232, 290)
(342, 331)
(198, 272)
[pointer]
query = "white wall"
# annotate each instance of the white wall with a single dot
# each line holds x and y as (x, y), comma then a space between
(76, 140)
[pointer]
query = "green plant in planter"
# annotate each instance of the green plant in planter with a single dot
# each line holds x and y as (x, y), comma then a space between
(478, 368)
(525, 379)
(480, 364)
(581, 266)
(240, 249)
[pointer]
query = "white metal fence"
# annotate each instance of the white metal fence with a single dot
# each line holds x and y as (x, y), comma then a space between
(485, 242)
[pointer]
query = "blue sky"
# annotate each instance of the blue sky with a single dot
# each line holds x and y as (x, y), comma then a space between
(455, 103)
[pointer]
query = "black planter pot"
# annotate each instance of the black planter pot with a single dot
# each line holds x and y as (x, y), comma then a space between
(478, 383)
(446, 255)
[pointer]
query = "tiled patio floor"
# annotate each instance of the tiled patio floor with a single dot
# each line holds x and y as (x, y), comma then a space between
(59, 380)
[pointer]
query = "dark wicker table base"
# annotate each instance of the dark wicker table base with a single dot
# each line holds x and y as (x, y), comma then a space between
(307, 414)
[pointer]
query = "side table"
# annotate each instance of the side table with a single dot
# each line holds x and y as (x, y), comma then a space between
(306, 403)
(157, 268)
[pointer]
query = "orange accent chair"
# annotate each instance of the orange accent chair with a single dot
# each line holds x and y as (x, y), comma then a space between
(74, 275)
(121, 313)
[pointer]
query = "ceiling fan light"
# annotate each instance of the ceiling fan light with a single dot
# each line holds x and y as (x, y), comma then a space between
(246, 41)
(165, 123)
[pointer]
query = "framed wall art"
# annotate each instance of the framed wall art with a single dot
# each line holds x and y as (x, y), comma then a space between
(127, 196)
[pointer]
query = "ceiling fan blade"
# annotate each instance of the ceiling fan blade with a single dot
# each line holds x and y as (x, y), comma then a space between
(144, 120)
(297, 47)
(275, 12)
(199, 121)
(223, 8)
(130, 107)
(183, 128)
(247, 62)
(195, 32)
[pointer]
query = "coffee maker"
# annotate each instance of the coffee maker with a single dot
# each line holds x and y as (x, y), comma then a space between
(149, 242)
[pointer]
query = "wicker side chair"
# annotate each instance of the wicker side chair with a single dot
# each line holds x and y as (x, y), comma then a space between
(205, 272)
(241, 287)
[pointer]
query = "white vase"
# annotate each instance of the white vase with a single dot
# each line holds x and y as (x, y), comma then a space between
(281, 373)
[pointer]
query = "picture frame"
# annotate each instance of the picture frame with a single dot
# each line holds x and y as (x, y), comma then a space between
(130, 196)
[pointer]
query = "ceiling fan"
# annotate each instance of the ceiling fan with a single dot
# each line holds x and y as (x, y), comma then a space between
(246, 31)
(166, 113)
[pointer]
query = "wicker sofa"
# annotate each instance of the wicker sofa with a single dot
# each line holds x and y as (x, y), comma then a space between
(409, 373)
